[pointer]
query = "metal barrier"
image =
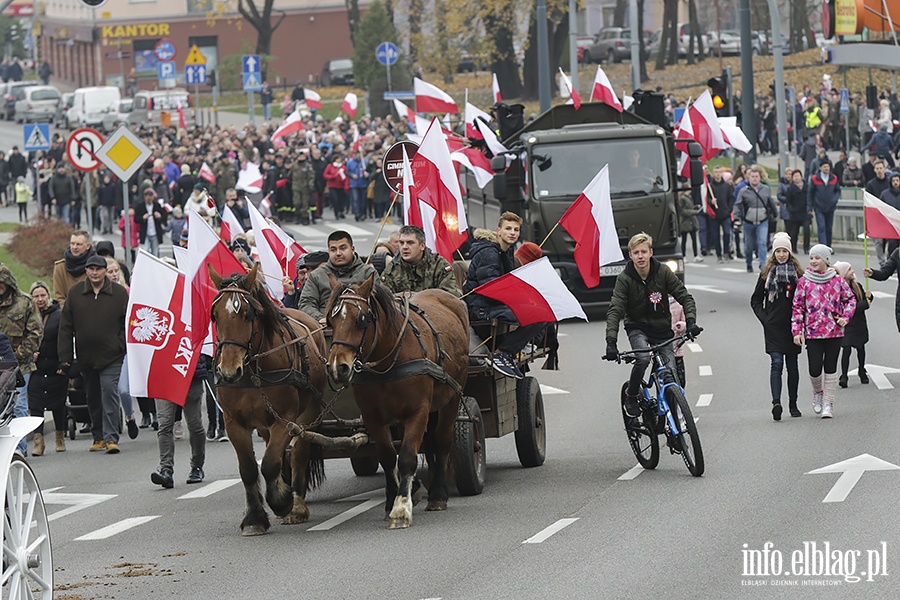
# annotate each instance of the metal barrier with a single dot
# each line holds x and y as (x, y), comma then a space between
(848, 217)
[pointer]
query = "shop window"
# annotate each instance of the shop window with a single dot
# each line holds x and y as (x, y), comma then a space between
(145, 62)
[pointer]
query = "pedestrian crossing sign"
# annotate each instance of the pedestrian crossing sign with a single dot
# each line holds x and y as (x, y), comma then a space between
(124, 153)
(252, 82)
(37, 136)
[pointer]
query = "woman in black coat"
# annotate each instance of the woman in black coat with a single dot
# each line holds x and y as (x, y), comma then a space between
(772, 302)
(793, 210)
(891, 266)
(856, 333)
(49, 383)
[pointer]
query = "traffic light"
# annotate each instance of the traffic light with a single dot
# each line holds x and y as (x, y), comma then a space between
(211, 78)
(718, 87)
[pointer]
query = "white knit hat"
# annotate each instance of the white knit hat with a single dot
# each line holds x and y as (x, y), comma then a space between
(781, 240)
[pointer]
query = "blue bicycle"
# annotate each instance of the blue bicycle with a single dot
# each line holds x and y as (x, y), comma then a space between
(665, 412)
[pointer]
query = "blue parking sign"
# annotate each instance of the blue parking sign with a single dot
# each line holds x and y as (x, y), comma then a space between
(166, 70)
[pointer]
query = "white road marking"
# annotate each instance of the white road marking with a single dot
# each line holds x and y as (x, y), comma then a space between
(694, 347)
(346, 515)
(631, 473)
(111, 530)
(371, 494)
(696, 264)
(546, 533)
(546, 390)
(704, 400)
(851, 471)
(878, 374)
(75, 502)
(705, 288)
(209, 490)
(705, 370)
(732, 270)
(882, 295)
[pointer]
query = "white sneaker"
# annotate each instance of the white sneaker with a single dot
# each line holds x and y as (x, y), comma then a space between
(178, 430)
(817, 402)
(827, 411)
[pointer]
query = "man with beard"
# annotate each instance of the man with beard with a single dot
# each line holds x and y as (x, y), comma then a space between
(70, 269)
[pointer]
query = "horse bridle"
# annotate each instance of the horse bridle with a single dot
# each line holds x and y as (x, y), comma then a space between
(363, 318)
(238, 301)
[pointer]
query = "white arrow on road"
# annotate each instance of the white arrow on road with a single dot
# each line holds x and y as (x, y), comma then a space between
(706, 288)
(878, 374)
(75, 502)
(851, 471)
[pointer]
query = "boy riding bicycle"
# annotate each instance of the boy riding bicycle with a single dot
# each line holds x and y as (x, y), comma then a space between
(641, 297)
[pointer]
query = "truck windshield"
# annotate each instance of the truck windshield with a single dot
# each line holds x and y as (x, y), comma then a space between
(636, 166)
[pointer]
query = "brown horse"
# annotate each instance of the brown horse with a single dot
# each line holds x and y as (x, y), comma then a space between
(271, 372)
(403, 373)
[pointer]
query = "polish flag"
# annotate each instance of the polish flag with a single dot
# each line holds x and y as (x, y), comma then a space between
(204, 247)
(349, 105)
(535, 294)
(250, 179)
(181, 122)
(437, 184)
(405, 111)
(705, 125)
(495, 88)
(429, 225)
(590, 223)
(209, 343)
(411, 212)
(627, 101)
(432, 99)
(473, 113)
(490, 138)
(231, 226)
(574, 98)
(882, 219)
(603, 90)
(313, 99)
(206, 173)
(733, 135)
(163, 358)
(276, 251)
(708, 200)
(475, 160)
(293, 124)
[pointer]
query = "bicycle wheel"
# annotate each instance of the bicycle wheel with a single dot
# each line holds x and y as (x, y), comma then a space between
(27, 558)
(642, 436)
(688, 440)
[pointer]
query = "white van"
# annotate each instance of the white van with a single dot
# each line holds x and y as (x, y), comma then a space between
(90, 105)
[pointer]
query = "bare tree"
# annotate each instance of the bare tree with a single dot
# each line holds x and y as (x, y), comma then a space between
(619, 13)
(668, 41)
(352, 18)
(694, 26)
(643, 48)
(261, 21)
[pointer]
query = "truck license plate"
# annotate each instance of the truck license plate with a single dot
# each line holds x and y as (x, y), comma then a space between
(609, 270)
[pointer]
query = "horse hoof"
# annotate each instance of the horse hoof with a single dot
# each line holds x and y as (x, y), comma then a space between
(252, 530)
(293, 519)
(399, 523)
(436, 505)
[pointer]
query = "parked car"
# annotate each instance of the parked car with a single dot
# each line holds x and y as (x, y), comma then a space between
(149, 106)
(90, 105)
(730, 43)
(12, 93)
(582, 42)
(684, 42)
(612, 45)
(37, 103)
(118, 115)
(65, 103)
(337, 72)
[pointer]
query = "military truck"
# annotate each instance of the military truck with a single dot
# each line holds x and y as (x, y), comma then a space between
(555, 157)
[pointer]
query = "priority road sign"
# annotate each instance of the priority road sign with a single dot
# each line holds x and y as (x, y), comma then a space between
(37, 136)
(250, 63)
(195, 57)
(81, 149)
(252, 82)
(195, 74)
(166, 70)
(387, 53)
(124, 153)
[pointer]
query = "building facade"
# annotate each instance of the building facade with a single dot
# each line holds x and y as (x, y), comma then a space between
(107, 45)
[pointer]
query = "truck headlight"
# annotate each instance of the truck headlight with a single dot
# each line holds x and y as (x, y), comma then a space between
(677, 266)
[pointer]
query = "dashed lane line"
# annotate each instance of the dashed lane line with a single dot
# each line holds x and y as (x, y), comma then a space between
(705, 370)
(210, 489)
(704, 400)
(631, 473)
(347, 515)
(732, 270)
(694, 347)
(111, 530)
(542, 535)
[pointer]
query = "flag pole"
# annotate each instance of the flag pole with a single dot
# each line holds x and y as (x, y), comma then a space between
(865, 244)
(548, 235)
(381, 229)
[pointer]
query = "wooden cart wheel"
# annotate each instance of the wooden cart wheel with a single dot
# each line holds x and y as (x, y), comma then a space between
(531, 435)
(468, 454)
(27, 557)
(364, 466)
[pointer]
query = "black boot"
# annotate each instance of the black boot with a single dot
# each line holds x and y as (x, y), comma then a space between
(863, 376)
(795, 412)
(843, 381)
(776, 411)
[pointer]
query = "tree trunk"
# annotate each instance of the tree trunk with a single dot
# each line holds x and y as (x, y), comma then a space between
(643, 53)
(696, 37)
(416, 7)
(668, 40)
(503, 59)
(619, 13)
(352, 18)
(261, 22)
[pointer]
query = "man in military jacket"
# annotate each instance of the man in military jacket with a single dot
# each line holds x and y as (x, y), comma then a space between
(417, 268)
(303, 184)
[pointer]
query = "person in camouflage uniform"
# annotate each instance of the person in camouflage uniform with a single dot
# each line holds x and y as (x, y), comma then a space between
(226, 173)
(21, 322)
(417, 268)
(303, 184)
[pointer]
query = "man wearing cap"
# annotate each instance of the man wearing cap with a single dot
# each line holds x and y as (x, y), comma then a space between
(417, 268)
(69, 270)
(306, 264)
(150, 215)
(344, 264)
(240, 247)
(94, 316)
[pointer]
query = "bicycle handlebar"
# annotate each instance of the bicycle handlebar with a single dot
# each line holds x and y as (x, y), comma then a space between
(631, 355)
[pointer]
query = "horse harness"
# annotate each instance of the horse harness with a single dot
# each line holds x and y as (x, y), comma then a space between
(365, 371)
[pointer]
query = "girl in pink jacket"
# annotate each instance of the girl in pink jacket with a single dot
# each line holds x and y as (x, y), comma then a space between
(823, 305)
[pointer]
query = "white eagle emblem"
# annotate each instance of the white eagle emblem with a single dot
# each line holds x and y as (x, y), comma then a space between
(150, 326)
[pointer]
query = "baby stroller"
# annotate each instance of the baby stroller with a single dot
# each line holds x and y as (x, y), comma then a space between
(77, 408)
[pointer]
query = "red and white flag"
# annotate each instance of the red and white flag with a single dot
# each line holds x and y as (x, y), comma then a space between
(313, 99)
(574, 98)
(181, 121)
(250, 179)
(277, 251)
(490, 138)
(162, 357)
(472, 113)
(411, 212)
(432, 99)
(708, 201)
(733, 135)
(475, 160)
(535, 294)
(429, 225)
(231, 226)
(437, 184)
(705, 126)
(405, 111)
(204, 247)
(882, 219)
(293, 124)
(495, 88)
(603, 90)
(206, 173)
(349, 105)
(590, 223)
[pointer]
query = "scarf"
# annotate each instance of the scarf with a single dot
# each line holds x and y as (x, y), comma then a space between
(75, 264)
(781, 278)
(820, 277)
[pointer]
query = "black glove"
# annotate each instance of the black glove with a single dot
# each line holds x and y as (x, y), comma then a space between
(612, 351)
(693, 329)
